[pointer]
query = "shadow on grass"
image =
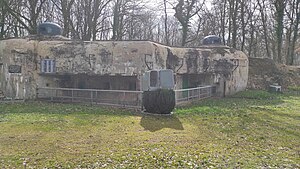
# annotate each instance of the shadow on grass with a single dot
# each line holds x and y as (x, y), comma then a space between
(84, 113)
(156, 123)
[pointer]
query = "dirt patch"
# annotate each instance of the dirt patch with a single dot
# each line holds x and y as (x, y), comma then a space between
(264, 72)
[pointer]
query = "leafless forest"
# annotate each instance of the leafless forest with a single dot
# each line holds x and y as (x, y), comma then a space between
(260, 28)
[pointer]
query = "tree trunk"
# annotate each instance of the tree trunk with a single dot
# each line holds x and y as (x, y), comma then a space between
(166, 23)
(2, 21)
(294, 31)
(243, 6)
(263, 19)
(116, 21)
(234, 23)
(279, 6)
(295, 37)
(223, 25)
(184, 34)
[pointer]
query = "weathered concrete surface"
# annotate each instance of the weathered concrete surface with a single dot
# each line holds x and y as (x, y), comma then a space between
(122, 58)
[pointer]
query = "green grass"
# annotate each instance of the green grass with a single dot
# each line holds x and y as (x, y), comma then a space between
(253, 129)
(294, 88)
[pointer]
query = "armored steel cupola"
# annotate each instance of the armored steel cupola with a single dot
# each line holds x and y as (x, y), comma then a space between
(49, 28)
(158, 91)
(212, 40)
(158, 79)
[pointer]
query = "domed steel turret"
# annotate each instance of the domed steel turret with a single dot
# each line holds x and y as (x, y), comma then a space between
(49, 28)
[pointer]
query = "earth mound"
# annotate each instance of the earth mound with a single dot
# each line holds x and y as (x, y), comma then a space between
(264, 72)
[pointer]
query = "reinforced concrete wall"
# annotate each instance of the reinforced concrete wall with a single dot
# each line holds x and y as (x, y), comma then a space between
(28, 63)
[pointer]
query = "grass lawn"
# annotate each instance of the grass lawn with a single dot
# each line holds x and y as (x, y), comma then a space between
(251, 130)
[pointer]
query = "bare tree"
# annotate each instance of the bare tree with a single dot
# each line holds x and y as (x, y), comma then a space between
(118, 16)
(127, 17)
(261, 28)
(99, 15)
(166, 23)
(279, 15)
(234, 6)
(30, 15)
(184, 11)
(3, 15)
(87, 18)
(262, 8)
(64, 7)
(219, 11)
(293, 14)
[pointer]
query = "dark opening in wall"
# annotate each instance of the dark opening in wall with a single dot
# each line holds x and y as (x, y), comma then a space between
(197, 80)
(83, 81)
(153, 78)
(132, 86)
(81, 85)
(106, 86)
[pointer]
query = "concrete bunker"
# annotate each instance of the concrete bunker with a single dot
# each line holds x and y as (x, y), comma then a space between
(29, 63)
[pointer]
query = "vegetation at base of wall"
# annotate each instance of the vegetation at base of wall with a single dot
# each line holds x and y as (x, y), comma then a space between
(212, 133)
(294, 88)
(161, 101)
(256, 94)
